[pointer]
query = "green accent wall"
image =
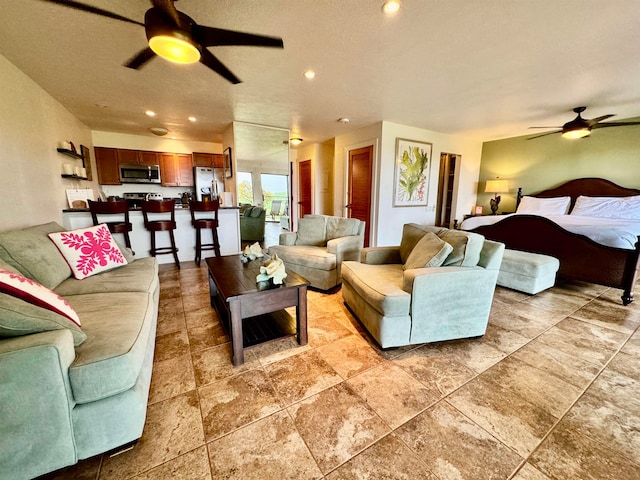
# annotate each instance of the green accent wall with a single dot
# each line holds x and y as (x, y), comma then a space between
(535, 165)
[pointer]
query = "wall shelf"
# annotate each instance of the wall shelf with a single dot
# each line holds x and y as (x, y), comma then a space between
(70, 153)
(73, 177)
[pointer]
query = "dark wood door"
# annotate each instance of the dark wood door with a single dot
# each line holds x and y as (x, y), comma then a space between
(304, 187)
(359, 183)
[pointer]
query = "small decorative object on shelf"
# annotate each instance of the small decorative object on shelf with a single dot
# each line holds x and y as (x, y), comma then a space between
(272, 269)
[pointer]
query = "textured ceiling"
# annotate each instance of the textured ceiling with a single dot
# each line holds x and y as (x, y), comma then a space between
(483, 68)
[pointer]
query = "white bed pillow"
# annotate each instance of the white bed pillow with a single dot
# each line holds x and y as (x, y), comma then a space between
(608, 207)
(544, 206)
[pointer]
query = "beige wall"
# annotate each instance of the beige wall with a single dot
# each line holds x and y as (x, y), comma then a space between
(32, 123)
(534, 165)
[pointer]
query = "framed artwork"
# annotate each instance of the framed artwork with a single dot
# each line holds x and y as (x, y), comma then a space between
(228, 173)
(412, 169)
(478, 210)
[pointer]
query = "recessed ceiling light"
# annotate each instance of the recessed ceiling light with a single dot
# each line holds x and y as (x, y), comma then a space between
(343, 120)
(150, 113)
(192, 119)
(310, 74)
(391, 6)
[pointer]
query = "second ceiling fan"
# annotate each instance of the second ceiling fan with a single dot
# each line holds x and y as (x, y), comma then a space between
(176, 37)
(581, 127)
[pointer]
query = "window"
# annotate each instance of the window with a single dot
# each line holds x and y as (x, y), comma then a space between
(245, 188)
(275, 190)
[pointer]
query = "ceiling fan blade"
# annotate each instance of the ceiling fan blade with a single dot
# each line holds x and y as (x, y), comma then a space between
(95, 10)
(169, 9)
(615, 124)
(212, 37)
(216, 65)
(544, 134)
(593, 121)
(139, 59)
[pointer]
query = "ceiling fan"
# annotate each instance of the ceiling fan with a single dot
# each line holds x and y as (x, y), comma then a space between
(176, 37)
(581, 127)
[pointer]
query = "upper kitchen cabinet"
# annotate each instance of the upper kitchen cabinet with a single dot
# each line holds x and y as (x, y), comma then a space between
(107, 166)
(213, 160)
(137, 156)
(176, 169)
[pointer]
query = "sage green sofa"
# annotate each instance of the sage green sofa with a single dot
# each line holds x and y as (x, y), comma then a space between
(72, 393)
(319, 246)
(405, 295)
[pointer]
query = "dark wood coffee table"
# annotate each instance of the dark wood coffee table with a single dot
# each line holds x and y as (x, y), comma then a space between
(254, 312)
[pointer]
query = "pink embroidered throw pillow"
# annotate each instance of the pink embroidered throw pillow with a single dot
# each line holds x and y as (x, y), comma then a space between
(32, 292)
(89, 250)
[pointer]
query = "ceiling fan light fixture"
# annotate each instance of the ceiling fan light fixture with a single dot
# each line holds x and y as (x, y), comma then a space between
(175, 47)
(576, 133)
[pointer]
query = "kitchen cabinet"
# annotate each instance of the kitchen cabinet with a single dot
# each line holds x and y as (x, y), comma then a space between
(137, 157)
(213, 160)
(107, 165)
(176, 169)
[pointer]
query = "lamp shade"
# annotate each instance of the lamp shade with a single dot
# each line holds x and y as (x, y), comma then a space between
(496, 186)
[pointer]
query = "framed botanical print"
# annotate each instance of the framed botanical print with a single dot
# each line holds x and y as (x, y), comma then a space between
(412, 169)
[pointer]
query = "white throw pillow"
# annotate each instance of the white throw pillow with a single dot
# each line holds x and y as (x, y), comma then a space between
(544, 206)
(89, 250)
(608, 207)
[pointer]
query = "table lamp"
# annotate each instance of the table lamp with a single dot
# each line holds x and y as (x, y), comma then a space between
(496, 186)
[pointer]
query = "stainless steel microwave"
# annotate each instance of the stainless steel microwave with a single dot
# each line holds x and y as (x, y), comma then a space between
(139, 173)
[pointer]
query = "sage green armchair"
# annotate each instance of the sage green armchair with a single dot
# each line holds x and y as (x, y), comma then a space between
(425, 290)
(252, 221)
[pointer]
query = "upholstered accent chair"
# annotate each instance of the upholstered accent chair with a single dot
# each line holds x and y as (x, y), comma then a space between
(252, 220)
(319, 246)
(438, 284)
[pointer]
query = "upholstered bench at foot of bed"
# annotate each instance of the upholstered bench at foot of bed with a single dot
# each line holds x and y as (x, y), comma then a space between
(527, 272)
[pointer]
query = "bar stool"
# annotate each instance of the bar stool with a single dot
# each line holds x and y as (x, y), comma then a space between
(200, 223)
(113, 208)
(161, 206)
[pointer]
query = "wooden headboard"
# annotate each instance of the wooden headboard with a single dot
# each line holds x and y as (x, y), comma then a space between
(590, 187)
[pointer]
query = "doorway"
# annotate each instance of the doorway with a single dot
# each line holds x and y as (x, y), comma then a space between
(359, 184)
(447, 184)
(304, 188)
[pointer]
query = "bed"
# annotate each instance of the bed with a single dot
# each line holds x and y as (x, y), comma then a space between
(610, 257)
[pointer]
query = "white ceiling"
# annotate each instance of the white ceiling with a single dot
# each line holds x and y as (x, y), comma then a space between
(483, 68)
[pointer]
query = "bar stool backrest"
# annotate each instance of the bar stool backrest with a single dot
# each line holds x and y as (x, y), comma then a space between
(157, 206)
(108, 208)
(208, 206)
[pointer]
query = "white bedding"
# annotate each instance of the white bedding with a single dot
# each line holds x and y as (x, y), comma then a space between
(619, 233)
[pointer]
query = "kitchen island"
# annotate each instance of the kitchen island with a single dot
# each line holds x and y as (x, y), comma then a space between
(185, 234)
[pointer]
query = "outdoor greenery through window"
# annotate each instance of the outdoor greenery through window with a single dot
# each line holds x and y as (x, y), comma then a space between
(275, 194)
(245, 188)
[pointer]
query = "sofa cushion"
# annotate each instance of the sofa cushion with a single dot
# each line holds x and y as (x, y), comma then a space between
(89, 251)
(430, 251)
(466, 248)
(140, 275)
(311, 231)
(411, 234)
(34, 255)
(21, 316)
(379, 285)
(341, 227)
(305, 255)
(118, 326)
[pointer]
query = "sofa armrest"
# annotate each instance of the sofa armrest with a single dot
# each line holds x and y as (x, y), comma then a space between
(36, 431)
(380, 255)
(288, 238)
(345, 248)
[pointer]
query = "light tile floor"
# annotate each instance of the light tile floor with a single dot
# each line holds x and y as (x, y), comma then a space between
(552, 391)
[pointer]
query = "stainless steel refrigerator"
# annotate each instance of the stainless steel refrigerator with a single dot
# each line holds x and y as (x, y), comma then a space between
(208, 181)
